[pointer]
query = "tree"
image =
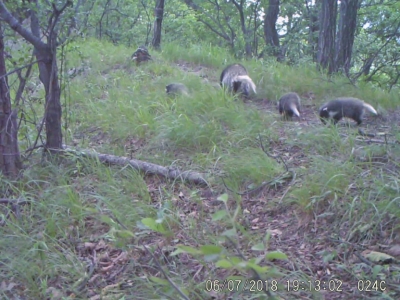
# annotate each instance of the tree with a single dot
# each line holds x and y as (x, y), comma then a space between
(270, 33)
(219, 18)
(10, 161)
(159, 13)
(46, 55)
(326, 39)
(247, 33)
(345, 37)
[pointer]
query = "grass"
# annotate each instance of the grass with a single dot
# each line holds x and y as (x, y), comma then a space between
(89, 229)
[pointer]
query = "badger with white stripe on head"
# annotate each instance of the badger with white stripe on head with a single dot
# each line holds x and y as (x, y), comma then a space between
(236, 79)
(345, 107)
(174, 89)
(289, 105)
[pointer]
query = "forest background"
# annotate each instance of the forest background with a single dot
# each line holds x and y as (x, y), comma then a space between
(319, 202)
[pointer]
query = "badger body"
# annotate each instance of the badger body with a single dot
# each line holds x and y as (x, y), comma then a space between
(289, 105)
(347, 107)
(141, 54)
(236, 78)
(175, 89)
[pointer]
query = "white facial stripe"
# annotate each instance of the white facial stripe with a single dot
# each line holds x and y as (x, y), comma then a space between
(333, 113)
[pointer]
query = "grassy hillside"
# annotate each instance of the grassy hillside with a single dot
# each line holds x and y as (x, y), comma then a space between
(286, 201)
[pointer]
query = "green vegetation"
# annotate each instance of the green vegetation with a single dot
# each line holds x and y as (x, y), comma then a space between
(89, 229)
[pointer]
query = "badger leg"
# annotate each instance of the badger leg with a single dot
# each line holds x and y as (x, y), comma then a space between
(236, 86)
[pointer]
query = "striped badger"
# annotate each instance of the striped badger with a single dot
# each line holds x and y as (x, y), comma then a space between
(237, 80)
(344, 107)
(174, 89)
(289, 105)
(141, 55)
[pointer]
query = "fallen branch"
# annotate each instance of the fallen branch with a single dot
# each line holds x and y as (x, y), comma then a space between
(146, 167)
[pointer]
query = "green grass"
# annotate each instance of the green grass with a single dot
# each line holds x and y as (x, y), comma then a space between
(81, 212)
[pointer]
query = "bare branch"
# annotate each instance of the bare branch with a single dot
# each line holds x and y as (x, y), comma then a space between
(19, 69)
(17, 26)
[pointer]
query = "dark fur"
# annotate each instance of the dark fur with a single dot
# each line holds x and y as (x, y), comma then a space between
(288, 103)
(176, 89)
(352, 108)
(236, 78)
(141, 55)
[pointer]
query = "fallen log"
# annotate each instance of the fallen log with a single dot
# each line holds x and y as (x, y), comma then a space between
(142, 166)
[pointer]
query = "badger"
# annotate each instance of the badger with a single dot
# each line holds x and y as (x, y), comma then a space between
(289, 105)
(141, 54)
(345, 107)
(175, 89)
(237, 80)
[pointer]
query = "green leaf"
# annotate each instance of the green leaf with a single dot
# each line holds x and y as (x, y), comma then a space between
(186, 249)
(224, 263)
(124, 233)
(276, 255)
(218, 215)
(223, 198)
(107, 220)
(153, 225)
(236, 260)
(378, 257)
(211, 257)
(229, 232)
(210, 249)
(258, 247)
(159, 280)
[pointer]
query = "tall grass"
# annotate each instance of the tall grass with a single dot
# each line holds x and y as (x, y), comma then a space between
(119, 108)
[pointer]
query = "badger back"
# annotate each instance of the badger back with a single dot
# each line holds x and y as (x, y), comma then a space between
(176, 89)
(230, 72)
(235, 77)
(289, 105)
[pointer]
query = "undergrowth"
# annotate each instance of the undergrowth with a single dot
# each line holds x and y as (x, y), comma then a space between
(279, 193)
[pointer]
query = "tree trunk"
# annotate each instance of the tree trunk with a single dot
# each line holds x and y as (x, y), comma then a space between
(159, 13)
(313, 29)
(345, 38)
(10, 160)
(270, 33)
(47, 62)
(326, 39)
(48, 74)
(247, 34)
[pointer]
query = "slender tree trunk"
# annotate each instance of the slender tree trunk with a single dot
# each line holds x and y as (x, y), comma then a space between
(270, 33)
(247, 34)
(159, 13)
(48, 74)
(10, 160)
(47, 62)
(326, 39)
(313, 28)
(346, 31)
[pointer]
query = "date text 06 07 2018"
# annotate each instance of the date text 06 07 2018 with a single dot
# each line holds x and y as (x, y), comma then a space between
(251, 285)
(241, 285)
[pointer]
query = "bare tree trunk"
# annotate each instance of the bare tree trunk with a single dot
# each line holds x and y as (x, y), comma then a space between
(49, 77)
(270, 33)
(247, 34)
(47, 62)
(326, 39)
(159, 13)
(10, 160)
(312, 17)
(346, 31)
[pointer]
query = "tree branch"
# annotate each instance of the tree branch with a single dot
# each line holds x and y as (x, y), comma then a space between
(16, 26)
